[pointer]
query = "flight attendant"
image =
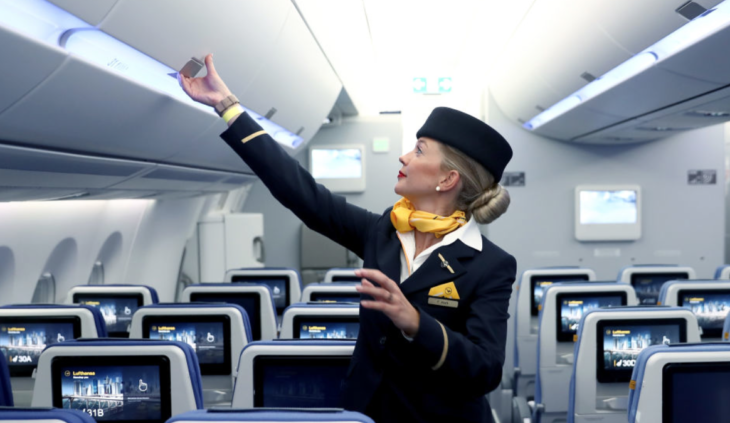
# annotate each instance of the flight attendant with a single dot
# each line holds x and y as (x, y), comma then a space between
(435, 292)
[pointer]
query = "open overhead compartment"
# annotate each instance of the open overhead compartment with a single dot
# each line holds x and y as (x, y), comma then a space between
(613, 68)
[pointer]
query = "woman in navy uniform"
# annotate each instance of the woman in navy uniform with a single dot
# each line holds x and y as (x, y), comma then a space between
(433, 315)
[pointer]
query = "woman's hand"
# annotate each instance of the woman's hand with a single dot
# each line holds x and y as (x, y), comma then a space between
(389, 299)
(209, 89)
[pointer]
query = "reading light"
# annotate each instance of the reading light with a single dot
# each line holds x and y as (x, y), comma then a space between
(692, 32)
(45, 22)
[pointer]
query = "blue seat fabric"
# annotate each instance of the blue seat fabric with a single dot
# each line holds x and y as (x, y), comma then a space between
(278, 415)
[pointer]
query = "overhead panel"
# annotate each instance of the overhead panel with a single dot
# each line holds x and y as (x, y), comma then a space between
(25, 167)
(209, 150)
(240, 34)
(708, 61)
(174, 178)
(109, 115)
(26, 64)
(37, 194)
(297, 87)
(90, 11)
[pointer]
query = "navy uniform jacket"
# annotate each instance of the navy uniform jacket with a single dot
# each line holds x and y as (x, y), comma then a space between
(457, 355)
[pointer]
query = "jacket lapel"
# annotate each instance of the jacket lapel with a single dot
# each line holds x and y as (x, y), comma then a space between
(433, 272)
(388, 254)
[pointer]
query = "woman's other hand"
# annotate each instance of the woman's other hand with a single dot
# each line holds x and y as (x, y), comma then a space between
(389, 299)
(209, 89)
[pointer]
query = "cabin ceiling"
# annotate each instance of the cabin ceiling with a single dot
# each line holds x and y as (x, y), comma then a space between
(378, 46)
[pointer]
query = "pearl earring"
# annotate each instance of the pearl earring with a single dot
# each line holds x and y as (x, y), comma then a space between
(438, 188)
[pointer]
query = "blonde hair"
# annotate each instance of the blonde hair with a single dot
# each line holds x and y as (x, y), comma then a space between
(481, 196)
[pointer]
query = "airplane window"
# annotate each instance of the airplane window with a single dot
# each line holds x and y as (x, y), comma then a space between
(97, 274)
(45, 290)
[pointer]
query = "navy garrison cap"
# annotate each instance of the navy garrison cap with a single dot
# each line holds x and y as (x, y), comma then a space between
(470, 136)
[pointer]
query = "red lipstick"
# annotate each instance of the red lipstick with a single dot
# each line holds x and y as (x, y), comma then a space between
(401, 175)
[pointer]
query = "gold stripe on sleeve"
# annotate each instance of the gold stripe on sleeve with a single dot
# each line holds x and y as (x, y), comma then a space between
(252, 136)
(445, 351)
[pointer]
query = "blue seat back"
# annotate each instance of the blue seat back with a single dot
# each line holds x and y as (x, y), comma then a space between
(6, 391)
(271, 415)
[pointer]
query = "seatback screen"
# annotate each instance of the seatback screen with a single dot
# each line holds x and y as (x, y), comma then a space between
(23, 339)
(574, 306)
(279, 286)
(710, 307)
(335, 297)
(344, 278)
(621, 341)
(210, 337)
(249, 301)
(326, 327)
(117, 310)
(539, 283)
(118, 389)
(300, 382)
(648, 285)
(695, 392)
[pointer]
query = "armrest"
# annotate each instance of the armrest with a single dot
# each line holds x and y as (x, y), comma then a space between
(521, 411)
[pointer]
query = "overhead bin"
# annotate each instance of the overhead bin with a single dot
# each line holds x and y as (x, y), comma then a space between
(605, 35)
(83, 107)
(297, 87)
(210, 151)
(37, 60)
(177, 178)
(90, 11)
(263, 50)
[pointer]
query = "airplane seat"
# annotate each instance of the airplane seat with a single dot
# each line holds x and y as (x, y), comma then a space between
(341, 274)
(268, 368)
(647, 279)
(563, 305)
(709, 300)
(6, 391)
(38, 325)
(137, 379)
(680, 383)
(117, 303)
(337, 292)
(722, 272)
(608, 343)
(44, 415)
(530, 288)
(265, 416)
(256, 299)
(217, 332)
(285, 283)
(321, 321)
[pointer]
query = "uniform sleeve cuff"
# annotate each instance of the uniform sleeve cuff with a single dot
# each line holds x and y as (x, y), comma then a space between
(243, 130)
(433, 339)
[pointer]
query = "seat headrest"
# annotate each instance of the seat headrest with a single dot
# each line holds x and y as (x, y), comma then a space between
(268, 415)
(95, 312)
(39, 414)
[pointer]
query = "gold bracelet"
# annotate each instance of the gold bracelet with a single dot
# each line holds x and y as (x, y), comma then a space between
(232, 111)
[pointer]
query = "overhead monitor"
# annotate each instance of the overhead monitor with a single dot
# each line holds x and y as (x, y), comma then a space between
(648, 285)
(573, 306)
(619, 343)
(607, 212)
(326, 327)
(114, 388)
(340, 168)
(117, 309)
(299, 381)
(250, 301)
(539, 283)
(709, 305)
(335, 297)
(695, 392)
(23, 339)
(210, 337)
(279, 286)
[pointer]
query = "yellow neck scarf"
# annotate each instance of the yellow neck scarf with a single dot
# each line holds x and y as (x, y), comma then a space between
(406, 218)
